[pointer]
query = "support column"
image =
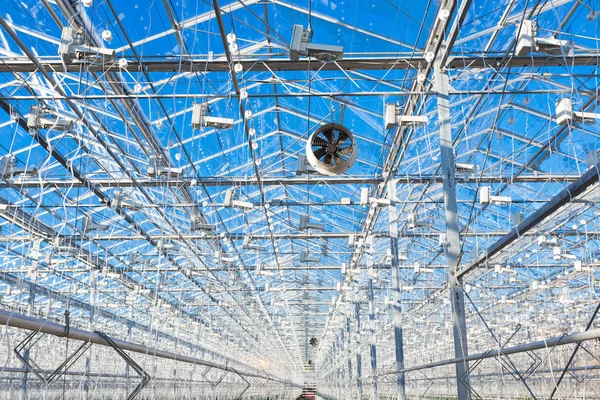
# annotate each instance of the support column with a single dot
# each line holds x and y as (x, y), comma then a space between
(127, 372)
(347, 340)
(175, 388)
(337, 354)
(86, 382)
(372, 337)
(30, 304)
(452, 247)
(398, 341)
(358, 355)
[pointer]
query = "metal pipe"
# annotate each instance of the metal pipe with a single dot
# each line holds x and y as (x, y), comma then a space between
(566, 196)
(540, 344)
(52, 328)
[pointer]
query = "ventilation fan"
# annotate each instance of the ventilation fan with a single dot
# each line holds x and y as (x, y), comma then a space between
(331, 149)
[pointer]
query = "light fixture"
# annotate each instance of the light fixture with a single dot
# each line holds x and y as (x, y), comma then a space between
(196, 225)
(89, 225)
(9, 170)
(566, 115)
(41, 117)
(248, 245)
(157, 169)
(306, 257)
(393, 117)
(201, 120)
(413, 222)
(300, 45)
(527, 41)
(305, 224)
(119, 201)
(379, 203)
(544, 241)
(485, 197)
(72, 46)
(303, 167)
(466, 168)
(231, 201)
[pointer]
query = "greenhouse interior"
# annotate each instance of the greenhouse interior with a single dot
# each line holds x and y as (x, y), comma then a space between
(299, 199)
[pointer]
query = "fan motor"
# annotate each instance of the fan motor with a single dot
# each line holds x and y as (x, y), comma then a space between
(331, 149)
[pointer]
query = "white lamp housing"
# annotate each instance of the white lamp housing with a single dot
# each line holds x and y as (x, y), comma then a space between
(72, 46)
(467, 168)
(485, 197)
(42, 118)
(230, 201)
(565, 113)
(300, 45)
(8, 169)
(156, 169)
(201, 120)
(394, 118)
(527, 41)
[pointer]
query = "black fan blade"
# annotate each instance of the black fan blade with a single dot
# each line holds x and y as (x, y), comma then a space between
(342, 138)
(339, 160)
(327, 159)
(319, 153)
(329, 135)
(318, 141)
(345, 151)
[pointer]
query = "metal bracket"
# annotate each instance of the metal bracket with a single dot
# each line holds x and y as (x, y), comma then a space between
(136, 367)
(31, 341)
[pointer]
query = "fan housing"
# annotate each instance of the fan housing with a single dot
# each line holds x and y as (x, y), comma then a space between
(331, 149)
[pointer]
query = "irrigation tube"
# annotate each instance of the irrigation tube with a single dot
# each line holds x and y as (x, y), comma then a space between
(542, 344)
(52, 328)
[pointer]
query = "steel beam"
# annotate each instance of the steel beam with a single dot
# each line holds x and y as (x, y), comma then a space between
(283, 236)
(566, 196)
(227, 181)
(260, 64)
(452, 247)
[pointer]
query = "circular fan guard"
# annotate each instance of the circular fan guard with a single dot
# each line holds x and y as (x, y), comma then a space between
(331, 149)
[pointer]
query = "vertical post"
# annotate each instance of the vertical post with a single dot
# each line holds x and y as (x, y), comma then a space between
(127, 373)
(372, 338)
(347, 344)
(397, 287)
(175, 361)
(340, 369)
(358, 355)
(86, 382)
(30, 304)
(457, 299)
